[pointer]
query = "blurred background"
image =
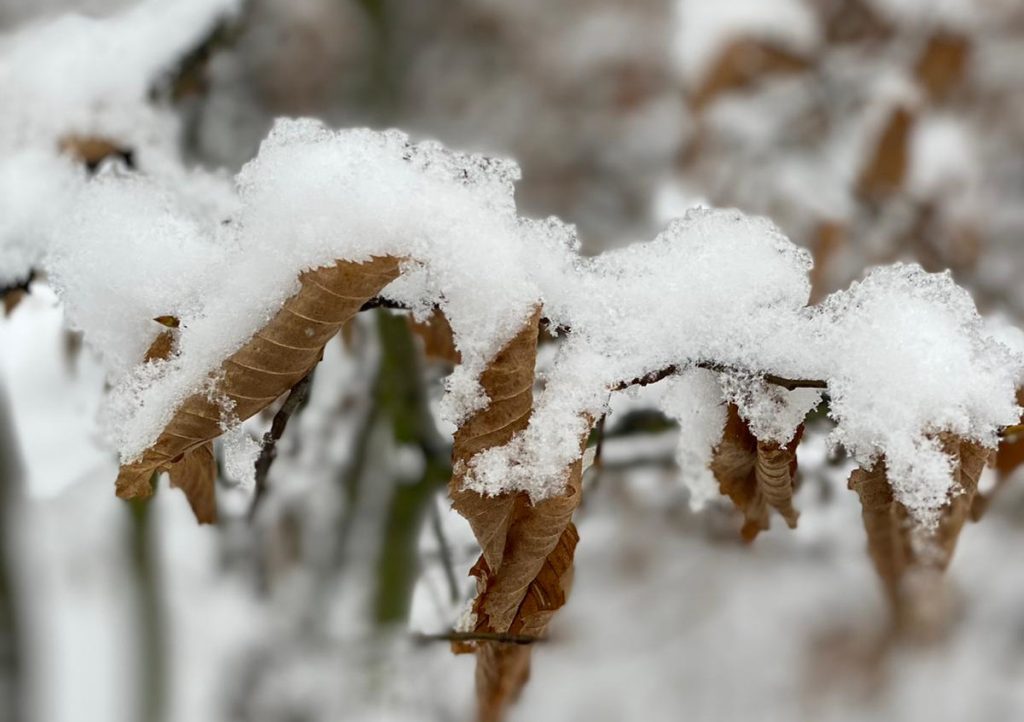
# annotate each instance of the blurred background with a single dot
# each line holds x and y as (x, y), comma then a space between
(870, 131)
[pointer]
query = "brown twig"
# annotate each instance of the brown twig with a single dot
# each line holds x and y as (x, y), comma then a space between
(774, 379)
(499, 637)
(599, 447)
(381, 302)
(297, 398)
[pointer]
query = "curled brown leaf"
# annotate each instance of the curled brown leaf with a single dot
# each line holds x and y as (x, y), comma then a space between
(756, 475)
(268, 365)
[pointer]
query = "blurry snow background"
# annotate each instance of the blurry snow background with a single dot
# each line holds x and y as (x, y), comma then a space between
(670, 615)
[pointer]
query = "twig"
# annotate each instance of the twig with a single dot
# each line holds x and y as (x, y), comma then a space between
(297, 398)
(599, 447)
(774, 379)
(381, 302)
(499, 637)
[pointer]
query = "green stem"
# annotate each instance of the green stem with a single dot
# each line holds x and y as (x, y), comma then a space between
(151, 628)
(11, 699)
(402, 397)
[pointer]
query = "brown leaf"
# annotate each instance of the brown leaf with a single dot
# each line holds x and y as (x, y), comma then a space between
(14, 293)
(524, 570)
(943, 63)
(92, 151)
(1008, 458)
(196, 475)
(268, 365)
(502, 668)
(909, 558)
(436, 334)
(827, 240)
(12, 298)
(884, 173)
(755, 475)
(741, 63)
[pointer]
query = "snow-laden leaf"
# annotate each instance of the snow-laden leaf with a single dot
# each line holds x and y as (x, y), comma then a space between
(527, 549)
(908, 555)
(271, 362)
(756, 475)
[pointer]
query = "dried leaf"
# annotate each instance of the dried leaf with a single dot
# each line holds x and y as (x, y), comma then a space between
(503, 669)
(12, 298)
(828, 239)
(196, 475)
(524, 570)
(13, 294)
(755, 475)
(268, 365)
(436, 334)
(943, 63)
(908, 557)
(740, 64)
(885, 171)
(1008, 458)
(92, 151)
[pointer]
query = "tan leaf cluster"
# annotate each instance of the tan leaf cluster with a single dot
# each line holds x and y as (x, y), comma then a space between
(277, 357)
(524, 570)
(756, 475)
(905, 553)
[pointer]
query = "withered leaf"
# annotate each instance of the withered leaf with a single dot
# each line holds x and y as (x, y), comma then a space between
(886, 169)
(12, 298)
(898, 546)
(92, 151)
(271, 362)
(525, 566)
(740, 64)
(942, 64)
(437, 338)
(196, 475)
(757, 476)
(1008, 458)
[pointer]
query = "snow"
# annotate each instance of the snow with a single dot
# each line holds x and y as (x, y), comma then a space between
(904, 354)
(77, 76)
(913, 359)
(694, 400)
(93, 76)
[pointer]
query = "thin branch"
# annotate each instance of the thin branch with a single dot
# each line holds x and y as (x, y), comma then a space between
(599, 447)
(774, 379)
(381, 302)
(297, 398)
(499, 637)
